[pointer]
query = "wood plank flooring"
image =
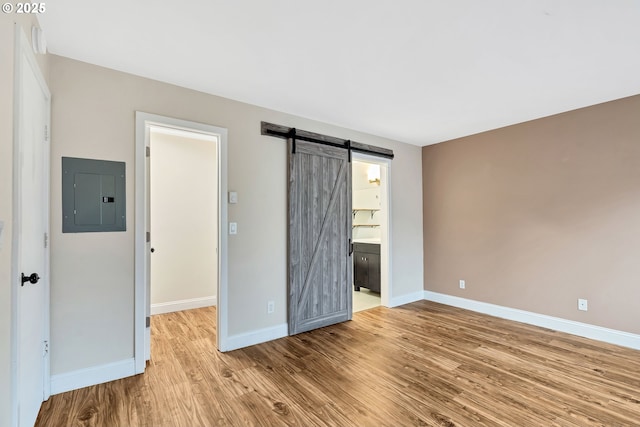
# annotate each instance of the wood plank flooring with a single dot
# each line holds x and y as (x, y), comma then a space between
(423, 364)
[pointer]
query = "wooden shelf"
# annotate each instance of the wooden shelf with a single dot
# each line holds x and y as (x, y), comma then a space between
(366, 225)
(355, 211)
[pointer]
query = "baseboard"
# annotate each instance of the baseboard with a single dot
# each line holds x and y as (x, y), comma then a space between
(235, 342)
(406, 299)
(586, 330)
(185, 304)
(81, 378)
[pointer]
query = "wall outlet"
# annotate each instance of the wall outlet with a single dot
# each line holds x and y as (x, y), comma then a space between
(462, 284)
(582, 304)
(271, 307)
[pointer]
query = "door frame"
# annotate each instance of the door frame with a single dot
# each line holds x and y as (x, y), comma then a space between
(142, 262)
(23, 48)
(386, 284)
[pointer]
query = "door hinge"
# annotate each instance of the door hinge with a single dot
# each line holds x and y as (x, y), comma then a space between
(148, 236)
(148, 151)
(148, 322)
(45, 348)
(46, 132)
(46, 240)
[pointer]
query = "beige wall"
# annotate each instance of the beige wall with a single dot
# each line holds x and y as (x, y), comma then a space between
(7, 43)
(539, 214)
(93, 273)
(184, 218)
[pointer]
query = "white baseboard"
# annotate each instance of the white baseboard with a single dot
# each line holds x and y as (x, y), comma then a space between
(406, 299)
(185, 304)
(81, 378)
(259, 336)
(586, 330)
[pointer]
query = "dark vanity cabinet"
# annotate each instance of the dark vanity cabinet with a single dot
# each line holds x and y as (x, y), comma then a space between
(366, 266)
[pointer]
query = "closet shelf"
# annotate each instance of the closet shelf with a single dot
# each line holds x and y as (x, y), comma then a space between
(366, 225)
(356, 210)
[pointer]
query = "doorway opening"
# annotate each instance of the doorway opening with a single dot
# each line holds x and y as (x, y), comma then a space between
(165, 132)
(371, 239)
(183, 220)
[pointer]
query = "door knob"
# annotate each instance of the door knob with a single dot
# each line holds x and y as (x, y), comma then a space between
(32, 278)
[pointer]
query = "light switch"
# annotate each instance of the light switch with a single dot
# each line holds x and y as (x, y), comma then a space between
(233, 228)
(233, 197)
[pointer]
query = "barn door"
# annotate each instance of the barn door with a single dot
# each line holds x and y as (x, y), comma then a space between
(320, 266)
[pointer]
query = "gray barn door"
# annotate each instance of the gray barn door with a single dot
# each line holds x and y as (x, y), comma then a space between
(320, 266)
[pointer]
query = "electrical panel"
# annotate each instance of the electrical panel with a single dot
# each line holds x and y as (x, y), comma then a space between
(93, 195)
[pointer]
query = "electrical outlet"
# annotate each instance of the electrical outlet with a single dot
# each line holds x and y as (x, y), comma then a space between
(582, 304)
(271, 307)
(462, 284)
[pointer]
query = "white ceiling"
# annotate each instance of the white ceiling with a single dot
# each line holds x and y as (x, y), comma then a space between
(418, 71)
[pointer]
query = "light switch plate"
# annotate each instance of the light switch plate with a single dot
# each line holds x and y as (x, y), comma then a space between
(233, 228)
(233, 197)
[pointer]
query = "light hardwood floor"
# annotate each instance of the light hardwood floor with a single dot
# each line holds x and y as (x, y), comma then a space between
(423, 364)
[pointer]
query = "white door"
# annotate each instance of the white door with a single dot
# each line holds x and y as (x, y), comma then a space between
(32, 163)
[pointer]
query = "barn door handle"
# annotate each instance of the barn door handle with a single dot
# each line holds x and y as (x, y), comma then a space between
(350, 247)
(32, 278)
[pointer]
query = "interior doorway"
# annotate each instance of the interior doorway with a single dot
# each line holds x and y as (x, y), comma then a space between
(371, 232)
(183, 220)
(145, 122)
